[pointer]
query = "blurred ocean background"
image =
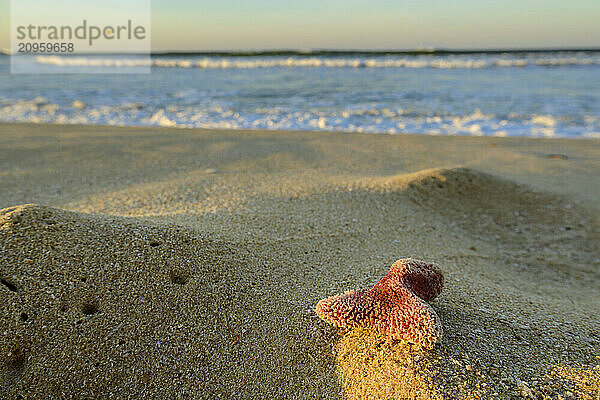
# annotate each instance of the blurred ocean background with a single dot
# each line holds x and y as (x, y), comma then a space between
(533, 94)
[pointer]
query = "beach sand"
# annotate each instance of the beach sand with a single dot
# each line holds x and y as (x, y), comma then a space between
(170, 263)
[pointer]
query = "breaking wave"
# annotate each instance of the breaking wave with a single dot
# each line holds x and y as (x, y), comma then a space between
(371, 120)
(438, 62)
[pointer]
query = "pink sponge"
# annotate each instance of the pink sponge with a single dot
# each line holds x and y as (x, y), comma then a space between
(395, 305)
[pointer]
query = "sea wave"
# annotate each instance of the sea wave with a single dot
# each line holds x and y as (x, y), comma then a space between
(438, 62)
(366, 120)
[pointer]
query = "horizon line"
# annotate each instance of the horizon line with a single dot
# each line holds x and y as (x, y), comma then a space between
(408, 51)
(332, 51)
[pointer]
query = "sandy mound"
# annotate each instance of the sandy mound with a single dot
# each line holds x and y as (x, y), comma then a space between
(95, 305)
(529, 223)
(99, 305)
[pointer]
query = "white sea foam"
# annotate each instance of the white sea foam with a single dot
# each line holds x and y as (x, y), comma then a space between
(545, 120)
(437, 62)
(370, 120)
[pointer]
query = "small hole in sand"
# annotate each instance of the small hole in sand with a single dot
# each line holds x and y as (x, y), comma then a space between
(9, 285)
(89, 308)
(83, 279)
(121, 342)
(16, 359)
(178, 277)
(154, 243)
(24, 317)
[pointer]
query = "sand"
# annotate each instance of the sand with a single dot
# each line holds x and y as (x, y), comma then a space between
(169, 263)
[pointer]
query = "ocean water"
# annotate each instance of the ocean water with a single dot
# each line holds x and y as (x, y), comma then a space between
(534, 94)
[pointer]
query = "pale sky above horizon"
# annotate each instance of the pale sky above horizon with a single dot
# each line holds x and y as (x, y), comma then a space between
(375, 24)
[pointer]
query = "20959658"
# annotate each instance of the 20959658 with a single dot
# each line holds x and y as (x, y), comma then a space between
(64, 47)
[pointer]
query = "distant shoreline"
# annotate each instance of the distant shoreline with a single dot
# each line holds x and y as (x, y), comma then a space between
(327, 52)
(358, 52)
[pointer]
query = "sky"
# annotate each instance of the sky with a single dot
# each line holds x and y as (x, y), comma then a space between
(374, 24)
